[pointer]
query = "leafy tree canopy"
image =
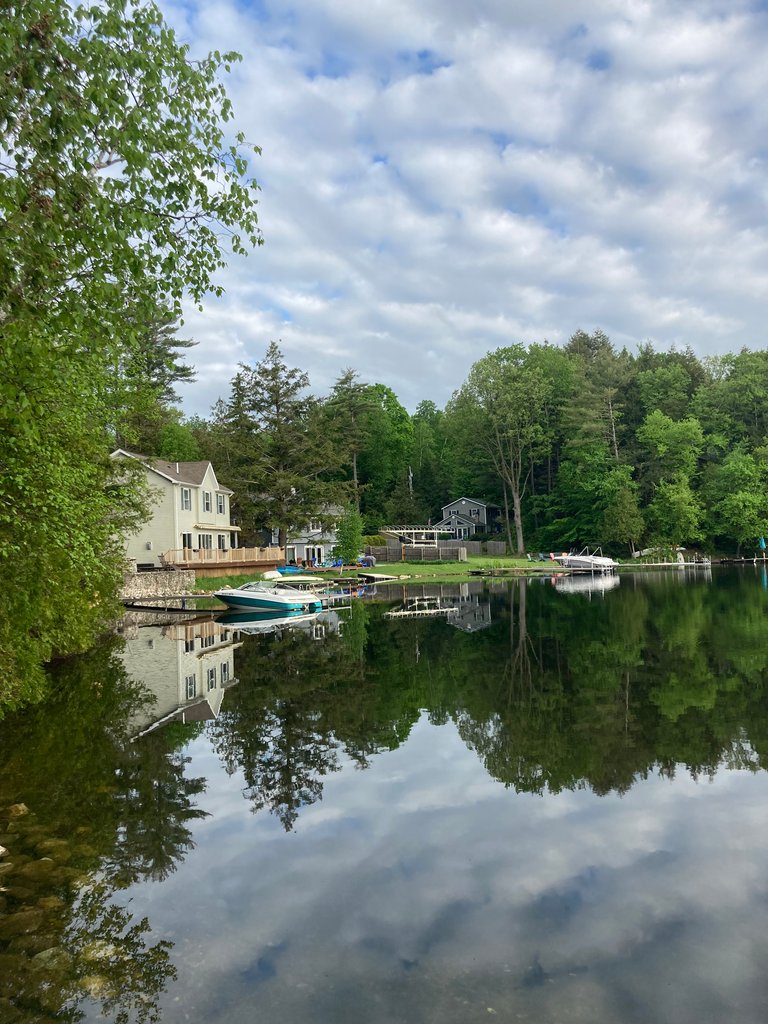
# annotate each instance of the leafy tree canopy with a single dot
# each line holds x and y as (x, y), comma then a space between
(117, 189)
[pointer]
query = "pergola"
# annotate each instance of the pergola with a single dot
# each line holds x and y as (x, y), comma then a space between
(424, 535)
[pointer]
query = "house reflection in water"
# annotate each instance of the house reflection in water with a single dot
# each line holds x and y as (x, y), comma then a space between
(470, 602)
(187, 668)
(473, 608)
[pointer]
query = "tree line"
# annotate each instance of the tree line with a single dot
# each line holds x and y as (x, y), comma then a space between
(576, 445)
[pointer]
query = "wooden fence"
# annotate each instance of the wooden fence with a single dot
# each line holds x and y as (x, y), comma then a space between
(496, 547)
(418, 552)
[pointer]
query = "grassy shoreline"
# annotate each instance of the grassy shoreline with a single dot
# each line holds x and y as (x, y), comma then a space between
(507, 567)
(415, 571)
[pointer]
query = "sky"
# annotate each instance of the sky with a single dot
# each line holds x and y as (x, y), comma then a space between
(440, 178)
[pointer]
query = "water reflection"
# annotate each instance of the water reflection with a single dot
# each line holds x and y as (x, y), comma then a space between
(586, 583)
(466, 606)
(483, 860)
(183, 667)
(83, 815)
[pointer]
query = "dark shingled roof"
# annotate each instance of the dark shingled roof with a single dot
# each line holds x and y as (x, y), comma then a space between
(180, 472)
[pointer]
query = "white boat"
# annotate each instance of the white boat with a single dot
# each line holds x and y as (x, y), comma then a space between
(269, 597)
(585, 561)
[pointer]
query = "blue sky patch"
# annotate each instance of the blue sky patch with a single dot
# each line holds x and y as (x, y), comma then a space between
(423, 62)
(331, 65)
(599, 60)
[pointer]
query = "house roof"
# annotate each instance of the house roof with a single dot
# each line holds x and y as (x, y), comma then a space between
(471, 501)
(448, 520)
(177, 472)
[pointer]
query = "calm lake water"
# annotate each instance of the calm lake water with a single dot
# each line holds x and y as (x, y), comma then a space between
(545, 804)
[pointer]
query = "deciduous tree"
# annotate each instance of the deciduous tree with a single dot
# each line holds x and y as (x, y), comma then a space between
(118, 189)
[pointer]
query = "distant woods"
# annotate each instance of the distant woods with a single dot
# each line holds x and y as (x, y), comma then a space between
(575, 445)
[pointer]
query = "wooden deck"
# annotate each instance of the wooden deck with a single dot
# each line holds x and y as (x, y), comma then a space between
(223, 562)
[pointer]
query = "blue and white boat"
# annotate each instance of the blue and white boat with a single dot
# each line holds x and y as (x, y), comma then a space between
(269, 597)
(254, 623)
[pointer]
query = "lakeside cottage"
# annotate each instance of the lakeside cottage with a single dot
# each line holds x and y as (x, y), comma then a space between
(315, 541)
(191, 513)
(466, 516)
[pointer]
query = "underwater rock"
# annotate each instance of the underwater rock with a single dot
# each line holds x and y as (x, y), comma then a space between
(22, 922)
(31, 945)
(37, 870)
(55, 957)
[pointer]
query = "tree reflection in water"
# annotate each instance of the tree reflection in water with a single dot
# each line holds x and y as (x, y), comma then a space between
(83, 814)
(560, 692)
(554, 692)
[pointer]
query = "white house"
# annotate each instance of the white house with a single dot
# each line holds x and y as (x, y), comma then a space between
(191, 512)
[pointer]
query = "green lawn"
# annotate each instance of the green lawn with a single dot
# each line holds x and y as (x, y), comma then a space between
(414, 570)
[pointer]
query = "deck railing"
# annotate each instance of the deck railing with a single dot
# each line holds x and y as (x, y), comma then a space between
(184, 557)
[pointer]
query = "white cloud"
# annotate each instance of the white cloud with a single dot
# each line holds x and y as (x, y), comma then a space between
(441, 179)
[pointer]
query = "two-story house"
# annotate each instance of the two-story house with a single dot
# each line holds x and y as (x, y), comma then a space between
(466, 516)
(190, 513)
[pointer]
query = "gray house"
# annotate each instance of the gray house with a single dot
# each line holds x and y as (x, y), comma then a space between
(315, 541)
(466, 516)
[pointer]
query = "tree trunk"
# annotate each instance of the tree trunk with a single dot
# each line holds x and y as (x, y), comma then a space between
(506, 514)
(516, 505)
(613, 430)
(354, 480)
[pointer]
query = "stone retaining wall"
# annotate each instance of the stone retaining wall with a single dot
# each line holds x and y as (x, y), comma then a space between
(139, 585)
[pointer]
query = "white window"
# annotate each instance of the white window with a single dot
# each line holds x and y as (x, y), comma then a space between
(186, 499)
(314, 526)
(186, 540)
(222, 542)
(221, 506)
(206, 541)
(207, 506)
(189, 646)
(212, 678)
(190, 685)
(224, 672)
